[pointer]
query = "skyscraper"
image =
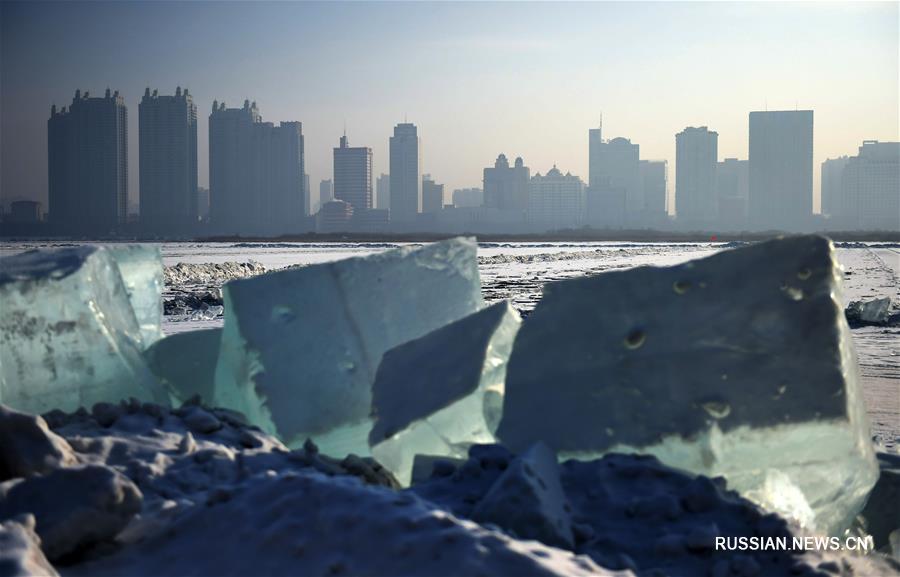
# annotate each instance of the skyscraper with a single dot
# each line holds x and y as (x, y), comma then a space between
(168, 161)
(326, 192)
(505, 187)
(432, 195)
(87, 164)
(781, 178)
(353, 175)
(732, 189)
(870, 188)
(696, 152)
(615, 194)
(383, 192)
(256, 172)
(406, 186)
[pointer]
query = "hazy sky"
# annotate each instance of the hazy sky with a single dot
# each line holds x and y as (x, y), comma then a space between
(525, 79)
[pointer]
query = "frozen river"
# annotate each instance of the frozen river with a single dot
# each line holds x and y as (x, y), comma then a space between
(517, 271)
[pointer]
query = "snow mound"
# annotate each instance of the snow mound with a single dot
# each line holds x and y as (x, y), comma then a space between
(210, 274)
(20, 550)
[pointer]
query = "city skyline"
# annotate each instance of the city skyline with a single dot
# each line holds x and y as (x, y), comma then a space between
(463, 82)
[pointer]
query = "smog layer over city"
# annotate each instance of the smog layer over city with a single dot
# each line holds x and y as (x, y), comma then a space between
(449, 288)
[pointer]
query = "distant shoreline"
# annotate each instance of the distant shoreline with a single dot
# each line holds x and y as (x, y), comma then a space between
(650, 236)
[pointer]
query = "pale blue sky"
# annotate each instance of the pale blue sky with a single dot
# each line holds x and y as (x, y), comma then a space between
(526, 79)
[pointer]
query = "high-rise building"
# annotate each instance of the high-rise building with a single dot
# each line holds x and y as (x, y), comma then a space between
(505, 187)
(832, 170)
(168, 161)
(202, 203)
(696, 152)
(406, 171)
(432, 195)
(615, 195)
(468, 197)
(87, 164)
(308, 207)
(732, 189)
(870, 188)
(555, 200)
(781, 164)
(256, 172)
(654, 179)
(353, 175)
(383, 192)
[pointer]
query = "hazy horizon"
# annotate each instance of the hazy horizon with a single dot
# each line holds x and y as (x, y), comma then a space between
(478, 79)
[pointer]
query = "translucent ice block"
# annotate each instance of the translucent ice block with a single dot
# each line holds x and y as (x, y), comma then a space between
(740, 364)
(439, 394)
(185, 363)
(300, 347)
(142, 272)
(68, 335)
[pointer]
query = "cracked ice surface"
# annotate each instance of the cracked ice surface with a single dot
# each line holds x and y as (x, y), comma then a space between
(439, 394)
(740, 364)
(68, 335)
(300, 347)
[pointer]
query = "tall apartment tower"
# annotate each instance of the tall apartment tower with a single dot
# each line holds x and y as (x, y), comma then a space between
(696, 155)
(87, 164)
(781, 170)
(353, 175)
(406, 173)
(256, 172)
(168, 161)
(505, 187)
(832, 170)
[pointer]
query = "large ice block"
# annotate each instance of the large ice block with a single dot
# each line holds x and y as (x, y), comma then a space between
(439, 394)
(185, 363)
(68, 335)
(740, 364)
(300, 347)
(142, 272)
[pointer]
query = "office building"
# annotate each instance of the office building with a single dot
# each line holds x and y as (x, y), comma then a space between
(615, 196)
(334, 216)
(468, 197)
(781, 165)
(506, 187)
(383, 192)
(696, 152)
(830, 198)
(168, 162)
(654, 182)
(432, 195)
(256, 173)
(732, 190)
(406, 172)
(326, 192)
(870, 188)
(353, 175)
(87, 164)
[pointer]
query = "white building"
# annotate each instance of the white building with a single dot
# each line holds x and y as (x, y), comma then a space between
(615, 196)
(696, 152)
(406, 174)
(870, 188)
(468, 197)
(556, 200)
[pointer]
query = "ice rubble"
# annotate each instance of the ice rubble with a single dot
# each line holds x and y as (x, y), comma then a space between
(69, 336)
(740, 364)
(300, 347)
(438, 394)
(185, 363)
(875, 312)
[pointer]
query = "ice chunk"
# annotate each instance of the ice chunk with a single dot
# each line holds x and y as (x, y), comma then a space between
(882, 511)
(441, 393)
(873, 312)
(740, 364)
(142, 272)
(185, 363)
(68, 335)
(529, 500)
(300, 347)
